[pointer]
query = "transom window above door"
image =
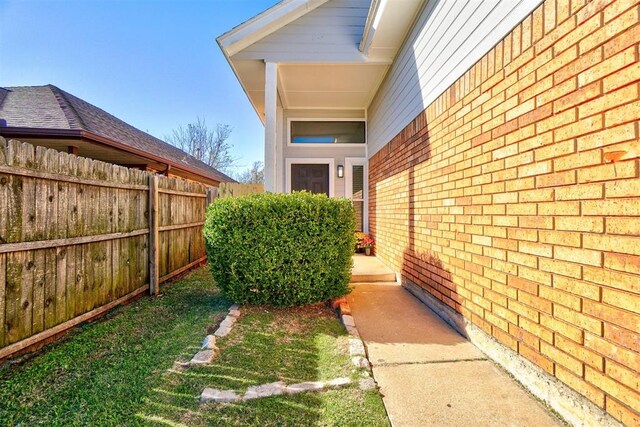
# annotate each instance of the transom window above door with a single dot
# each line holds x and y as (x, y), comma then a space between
(327, 132)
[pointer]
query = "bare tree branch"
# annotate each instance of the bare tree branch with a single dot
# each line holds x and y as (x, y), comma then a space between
(207, 145)
(253, 175)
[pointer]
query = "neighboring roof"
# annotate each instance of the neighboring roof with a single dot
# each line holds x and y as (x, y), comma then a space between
(48, 107)
(3, 93)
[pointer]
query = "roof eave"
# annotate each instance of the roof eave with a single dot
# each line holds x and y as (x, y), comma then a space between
(235, 72)
(90, 136)
(258, 27)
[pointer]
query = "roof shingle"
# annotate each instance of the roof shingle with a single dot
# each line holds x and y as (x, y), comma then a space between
(48, 107)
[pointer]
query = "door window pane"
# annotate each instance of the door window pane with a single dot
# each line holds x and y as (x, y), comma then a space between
(312, 178)
(357, 185)
(357, 194)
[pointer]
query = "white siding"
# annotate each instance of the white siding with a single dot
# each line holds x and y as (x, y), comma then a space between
(333, 30)
(447, 39)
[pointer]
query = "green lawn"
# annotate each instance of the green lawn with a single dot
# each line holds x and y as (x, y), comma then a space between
(117, 371)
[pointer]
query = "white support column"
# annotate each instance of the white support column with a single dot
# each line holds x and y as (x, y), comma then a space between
(280, 143)
(270, 125)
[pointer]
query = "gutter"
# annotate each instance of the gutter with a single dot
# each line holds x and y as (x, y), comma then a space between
(369, 31)
(18, 132)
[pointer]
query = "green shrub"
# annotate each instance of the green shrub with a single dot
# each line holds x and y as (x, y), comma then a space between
(281, 249)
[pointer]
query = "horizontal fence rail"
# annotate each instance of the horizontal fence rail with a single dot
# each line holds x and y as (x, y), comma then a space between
(79, 236)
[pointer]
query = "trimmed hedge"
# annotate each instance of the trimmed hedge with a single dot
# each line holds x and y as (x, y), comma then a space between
(281, 249)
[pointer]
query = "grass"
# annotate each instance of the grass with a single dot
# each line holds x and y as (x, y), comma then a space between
(117, 371)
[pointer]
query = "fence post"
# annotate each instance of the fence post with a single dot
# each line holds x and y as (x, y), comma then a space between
(153, 235)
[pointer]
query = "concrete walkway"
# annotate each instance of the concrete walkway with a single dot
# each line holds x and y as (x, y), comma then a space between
(428, 374)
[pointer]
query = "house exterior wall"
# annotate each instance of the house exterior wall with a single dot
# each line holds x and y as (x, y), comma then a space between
(447, 39)
(500, 198)
(338, 154)
(331, 32)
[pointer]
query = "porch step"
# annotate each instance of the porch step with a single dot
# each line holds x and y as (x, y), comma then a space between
(369, 269)
(373, 278)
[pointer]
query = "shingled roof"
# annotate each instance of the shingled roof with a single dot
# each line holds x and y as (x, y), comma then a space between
(49, 107)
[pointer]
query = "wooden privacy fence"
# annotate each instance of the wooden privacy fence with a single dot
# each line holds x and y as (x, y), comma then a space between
(235, 189)
(79, 236)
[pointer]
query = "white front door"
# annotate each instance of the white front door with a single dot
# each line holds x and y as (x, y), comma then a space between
(355, 182)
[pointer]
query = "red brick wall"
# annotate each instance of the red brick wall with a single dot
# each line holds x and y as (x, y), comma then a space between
(502, 201)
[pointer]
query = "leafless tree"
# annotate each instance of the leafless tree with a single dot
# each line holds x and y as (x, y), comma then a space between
(208, 145)
(253, 175)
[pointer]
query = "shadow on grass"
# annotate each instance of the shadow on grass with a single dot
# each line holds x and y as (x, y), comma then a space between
(267, 345)
(117, 371)
(100, 373)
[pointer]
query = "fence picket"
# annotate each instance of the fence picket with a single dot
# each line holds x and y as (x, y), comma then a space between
(13, 304)
(3, 294)
(153, 235)
(74, 239)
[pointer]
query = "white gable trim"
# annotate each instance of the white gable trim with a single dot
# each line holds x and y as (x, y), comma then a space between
(265, 23)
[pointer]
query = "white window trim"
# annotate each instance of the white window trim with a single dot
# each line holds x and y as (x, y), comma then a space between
(349, 162)
(310, 161)
(325, 119)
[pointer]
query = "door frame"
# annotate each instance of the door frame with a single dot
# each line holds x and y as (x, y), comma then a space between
(309, 161)
(349, 162)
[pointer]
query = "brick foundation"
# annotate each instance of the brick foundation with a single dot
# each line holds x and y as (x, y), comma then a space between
(515, 197)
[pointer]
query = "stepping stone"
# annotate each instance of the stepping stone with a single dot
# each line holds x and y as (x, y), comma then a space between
(337, 302)
(234, 313)
(306, 386)
(360, 362)
(348, 321)
(345, 309)
(209, 342)
(353, 331)
(339, 382)
(218, 396)
(234, 307)
(265, 390)
(228, 321)
(203, 357)
(356, 347)
(367, 384)
(222, 331)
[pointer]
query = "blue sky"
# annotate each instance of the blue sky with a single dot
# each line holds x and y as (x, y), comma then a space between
(154, 64)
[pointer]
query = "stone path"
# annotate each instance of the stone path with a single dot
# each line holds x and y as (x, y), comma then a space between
(428, 374)
(356, 352)
(212, 395)
(209, 351)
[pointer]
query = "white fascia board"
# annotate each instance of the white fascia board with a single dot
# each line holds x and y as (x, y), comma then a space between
(375, 10)
(244, 89)
(260, 26)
